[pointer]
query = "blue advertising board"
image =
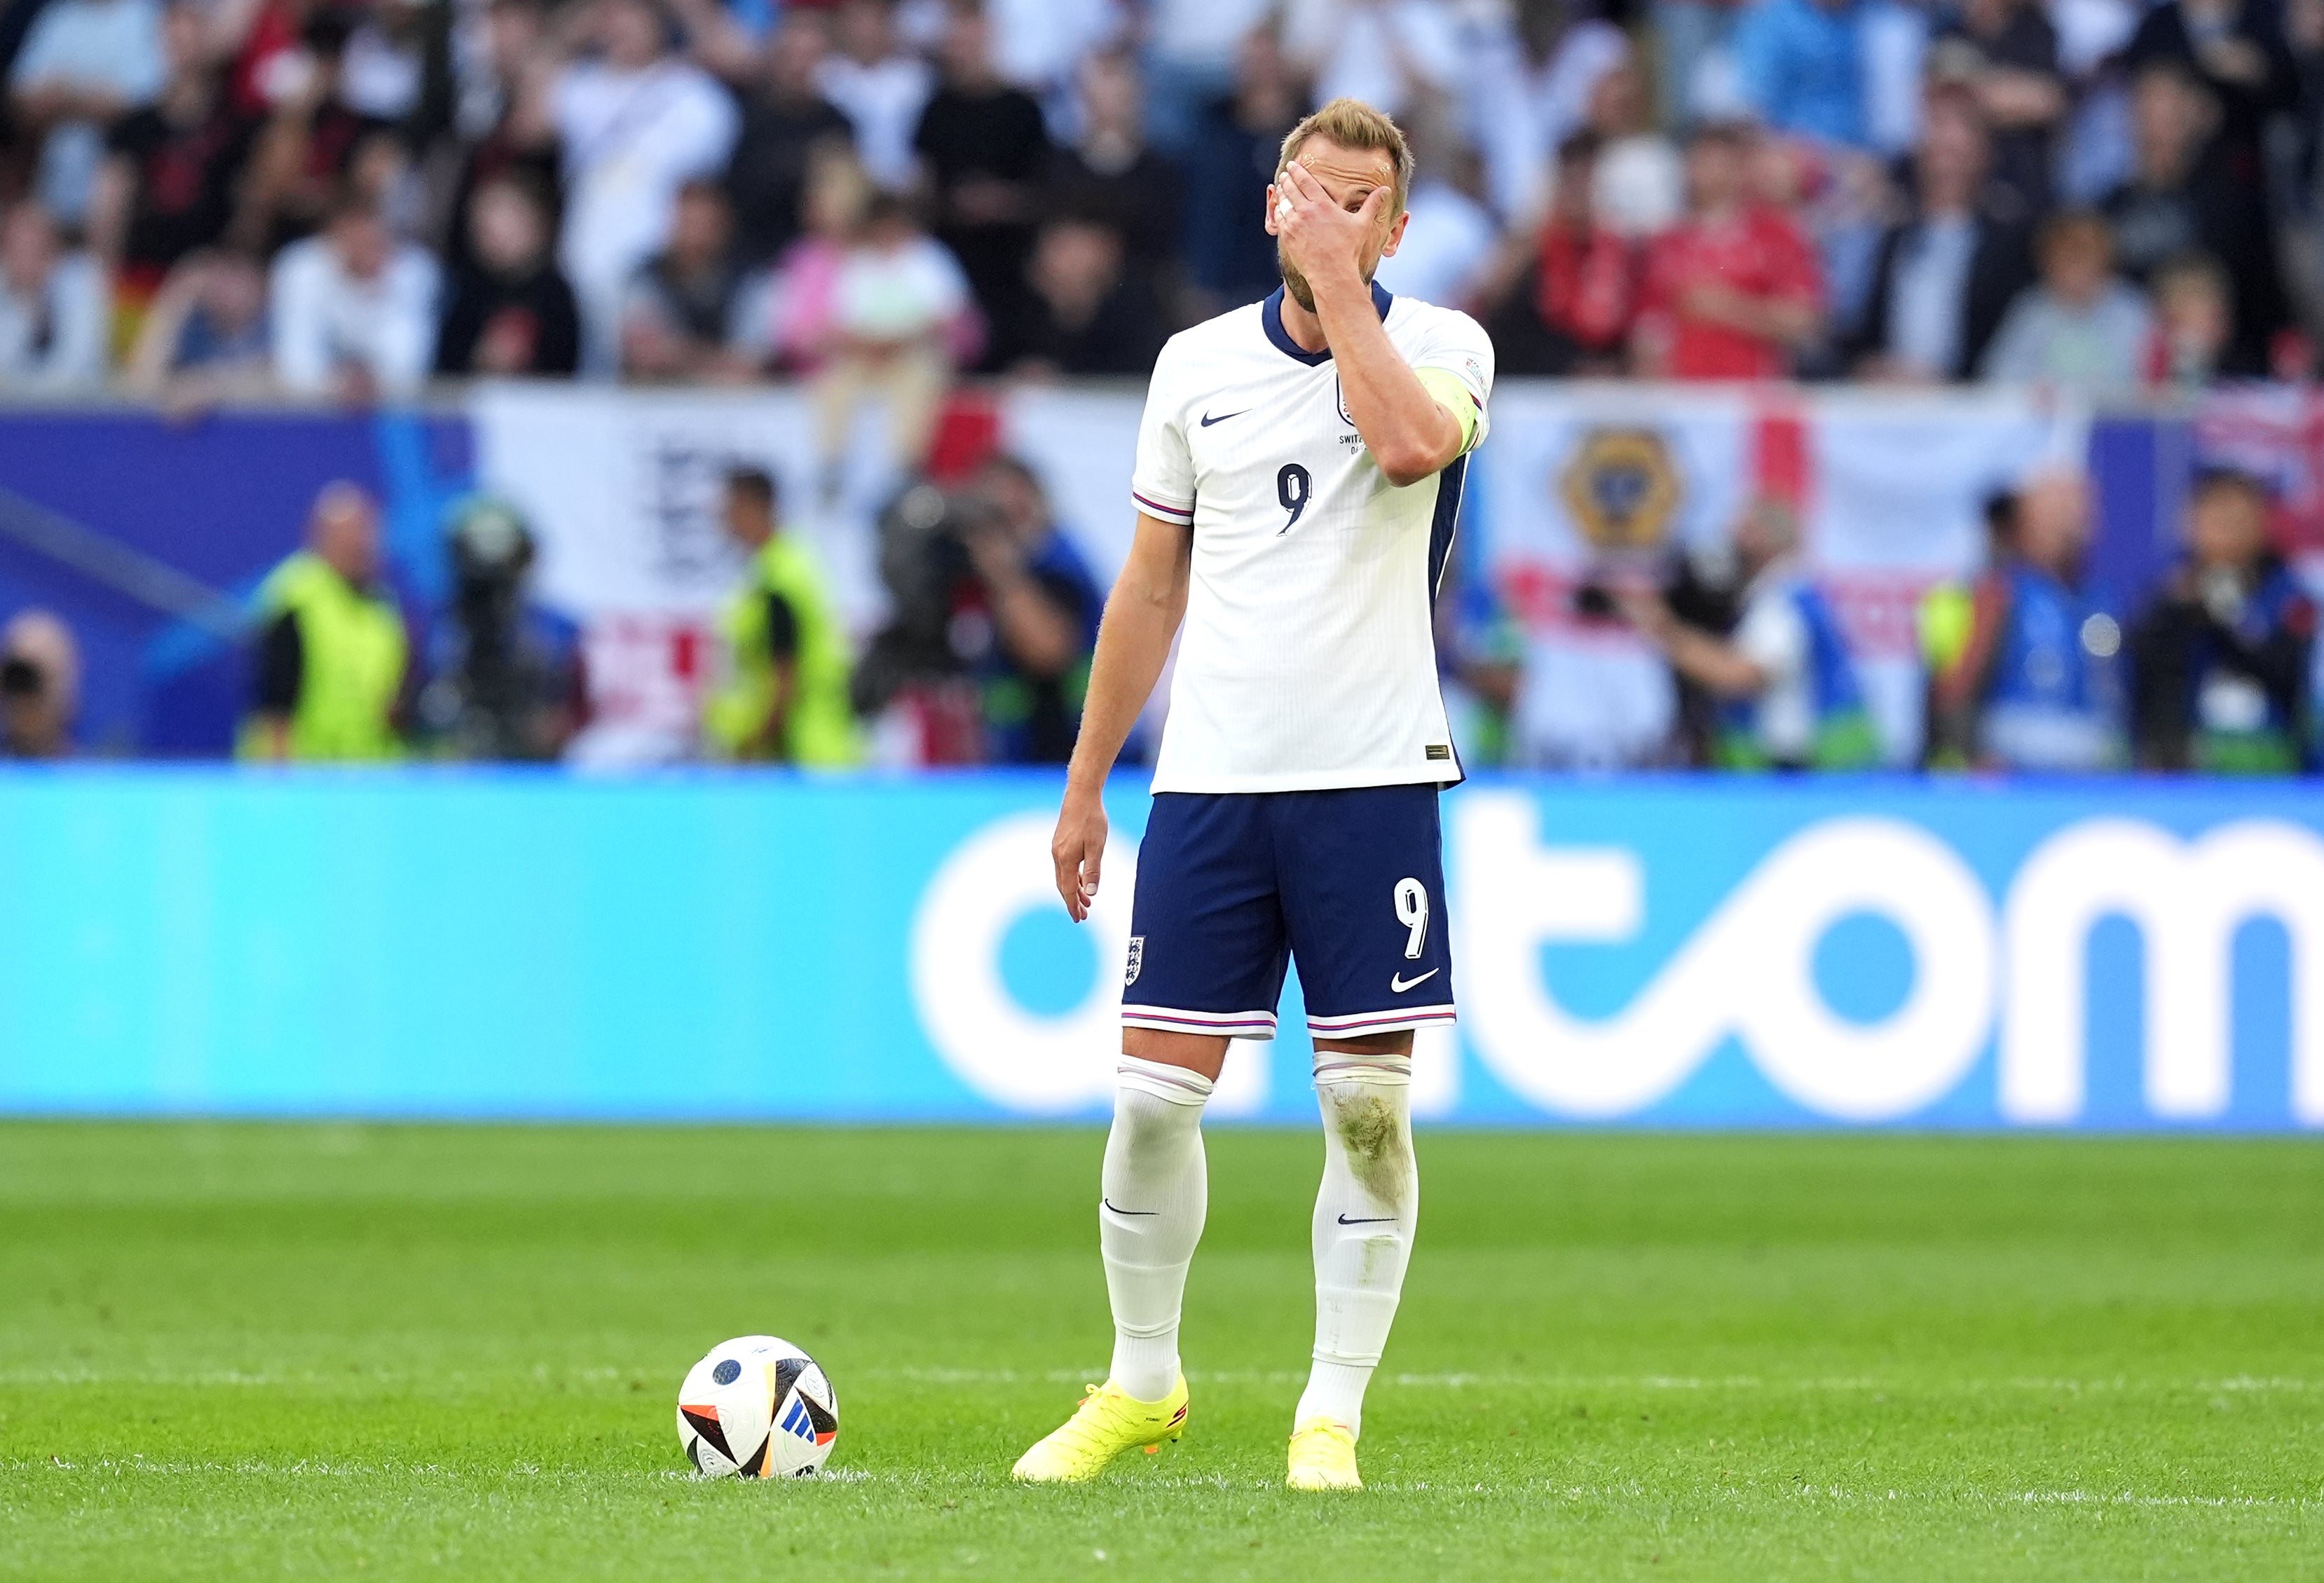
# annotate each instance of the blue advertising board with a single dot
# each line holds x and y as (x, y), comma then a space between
(1655, 951)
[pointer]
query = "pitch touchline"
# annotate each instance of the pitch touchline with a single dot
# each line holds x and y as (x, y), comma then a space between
(373, 1378)
(855, 1476)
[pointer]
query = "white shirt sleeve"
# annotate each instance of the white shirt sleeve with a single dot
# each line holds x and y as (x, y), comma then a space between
(1773, 636)
(302, 329)
(405, 343)
(1163, 482)
(79, 296)
(1461, 347)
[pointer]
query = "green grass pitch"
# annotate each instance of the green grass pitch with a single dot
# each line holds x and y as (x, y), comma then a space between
(339, 1351)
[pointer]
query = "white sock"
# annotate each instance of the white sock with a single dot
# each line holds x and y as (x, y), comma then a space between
(1157, 1190)
(1365, 1214)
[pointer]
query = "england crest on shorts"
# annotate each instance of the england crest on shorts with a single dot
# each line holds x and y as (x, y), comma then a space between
(1137, 960)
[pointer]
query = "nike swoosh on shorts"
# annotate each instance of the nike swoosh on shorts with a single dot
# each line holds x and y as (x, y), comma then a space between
(1399, 984)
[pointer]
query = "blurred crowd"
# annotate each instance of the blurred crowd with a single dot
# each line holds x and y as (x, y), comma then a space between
(2025, 664)
(343, 198)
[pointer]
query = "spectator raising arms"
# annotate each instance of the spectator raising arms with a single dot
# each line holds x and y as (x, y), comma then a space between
(1733, 292)
(203, 338)
(511, 311)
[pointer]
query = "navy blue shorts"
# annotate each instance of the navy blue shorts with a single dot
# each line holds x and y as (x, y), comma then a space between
(1231, 886)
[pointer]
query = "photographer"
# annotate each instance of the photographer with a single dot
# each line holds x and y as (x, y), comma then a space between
(39, 687)
(2220, 659)
(986, 652)
(783, 697)
(1788, 694)
(509, 680)
(1043, 607)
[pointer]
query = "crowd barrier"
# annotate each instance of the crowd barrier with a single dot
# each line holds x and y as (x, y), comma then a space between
(1646, 952)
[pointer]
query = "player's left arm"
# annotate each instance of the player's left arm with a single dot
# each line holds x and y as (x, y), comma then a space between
(1411, 430)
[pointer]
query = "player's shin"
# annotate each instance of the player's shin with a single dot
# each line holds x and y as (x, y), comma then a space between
(1365, 1214)
(1156, 1194)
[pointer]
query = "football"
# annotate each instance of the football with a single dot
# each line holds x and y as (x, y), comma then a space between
(757, 1407)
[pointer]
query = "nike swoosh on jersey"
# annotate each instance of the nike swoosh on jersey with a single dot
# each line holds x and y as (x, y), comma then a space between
(1222, 418)
(1399, 983)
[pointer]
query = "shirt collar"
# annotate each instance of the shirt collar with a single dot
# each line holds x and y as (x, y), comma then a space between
(1271, 318)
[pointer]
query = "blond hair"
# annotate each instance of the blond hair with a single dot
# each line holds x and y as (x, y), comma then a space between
(1354, 125)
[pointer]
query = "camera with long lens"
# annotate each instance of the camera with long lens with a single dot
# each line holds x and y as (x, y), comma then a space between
(21, 678)
(932, 633)
(496, 698)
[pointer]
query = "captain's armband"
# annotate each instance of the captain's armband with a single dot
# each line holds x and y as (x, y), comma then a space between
(1456, 398)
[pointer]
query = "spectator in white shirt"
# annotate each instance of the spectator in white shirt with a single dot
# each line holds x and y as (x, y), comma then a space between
(1381, 52)
(637, 124)
(53, 312)
(1641, 176)
(2082, 327)
(879, 88)
(84, 65)
(1451, 239)
(899, 313)
(354, 311)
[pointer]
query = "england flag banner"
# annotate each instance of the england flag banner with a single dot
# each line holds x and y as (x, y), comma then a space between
(1585, 484)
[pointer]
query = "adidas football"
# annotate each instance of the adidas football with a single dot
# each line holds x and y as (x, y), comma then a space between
(757, 1407)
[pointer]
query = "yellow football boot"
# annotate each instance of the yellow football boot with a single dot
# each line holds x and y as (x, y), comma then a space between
(1324, 1456)
(1108, 1422)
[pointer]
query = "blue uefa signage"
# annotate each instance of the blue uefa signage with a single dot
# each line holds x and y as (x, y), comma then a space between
(1673, 953)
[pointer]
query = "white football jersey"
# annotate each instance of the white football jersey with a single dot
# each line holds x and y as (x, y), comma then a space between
(1309, 659)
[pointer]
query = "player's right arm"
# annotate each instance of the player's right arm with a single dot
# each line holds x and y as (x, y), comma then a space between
(1134, 640)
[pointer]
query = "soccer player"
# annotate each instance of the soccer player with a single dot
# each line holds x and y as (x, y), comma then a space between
(1299, 477)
